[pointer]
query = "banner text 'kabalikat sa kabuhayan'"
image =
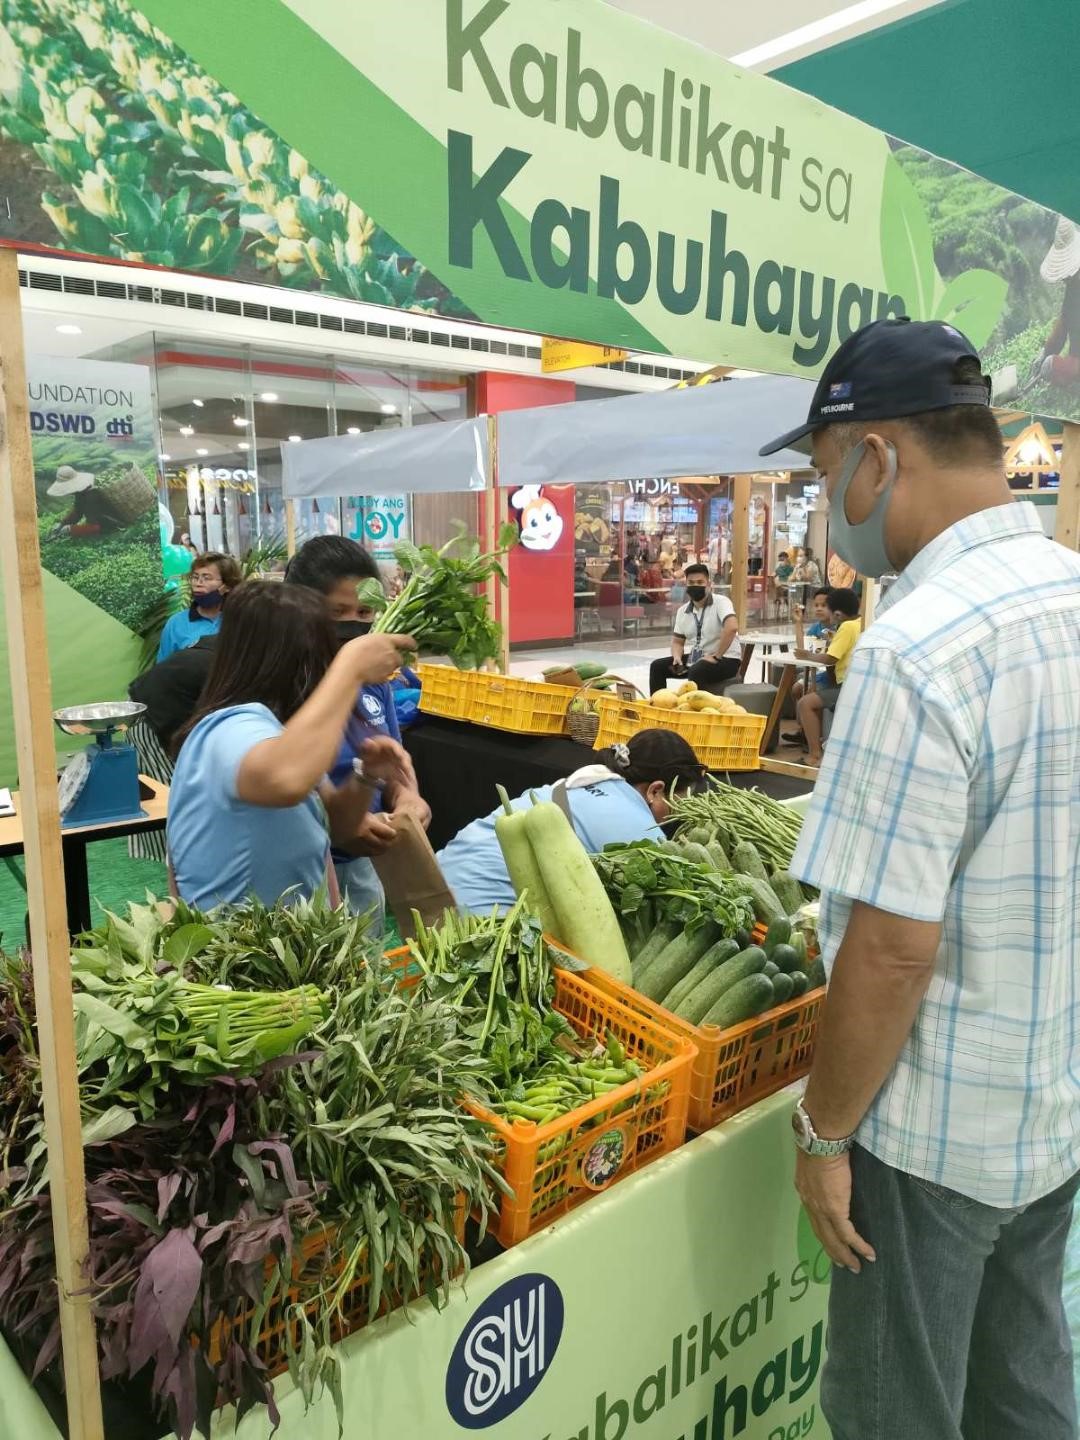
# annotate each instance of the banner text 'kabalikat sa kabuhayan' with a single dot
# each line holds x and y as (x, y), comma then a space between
(676, 125)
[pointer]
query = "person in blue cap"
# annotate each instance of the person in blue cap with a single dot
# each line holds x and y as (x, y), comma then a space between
(939, 1134)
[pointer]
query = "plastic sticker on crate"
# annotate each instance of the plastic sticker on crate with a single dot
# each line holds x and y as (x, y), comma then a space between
(721, 742)
(734, 1068)
(553, 1168)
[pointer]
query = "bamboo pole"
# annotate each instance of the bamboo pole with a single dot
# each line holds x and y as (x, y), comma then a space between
(31, 698)
(498, 595)
(740, 546)
(1067, 518)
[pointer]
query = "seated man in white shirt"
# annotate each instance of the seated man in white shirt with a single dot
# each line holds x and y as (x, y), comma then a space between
(705, 645)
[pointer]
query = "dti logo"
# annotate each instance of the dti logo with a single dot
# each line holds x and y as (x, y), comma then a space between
(504, 1352)
(541, 524)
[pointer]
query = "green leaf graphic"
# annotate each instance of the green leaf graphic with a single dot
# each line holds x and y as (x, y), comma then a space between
(973, 302)
(907, 247)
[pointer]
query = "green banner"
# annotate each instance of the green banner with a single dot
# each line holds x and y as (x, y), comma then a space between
(686, 1303)
(101, 528)
(560, 168)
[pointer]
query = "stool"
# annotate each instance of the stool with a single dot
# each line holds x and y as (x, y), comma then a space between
(755, 699)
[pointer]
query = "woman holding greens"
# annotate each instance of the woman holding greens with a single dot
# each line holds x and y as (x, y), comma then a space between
(250, 810)
(622, 798)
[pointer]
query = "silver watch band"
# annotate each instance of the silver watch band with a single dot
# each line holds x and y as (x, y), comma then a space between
(810, 1142)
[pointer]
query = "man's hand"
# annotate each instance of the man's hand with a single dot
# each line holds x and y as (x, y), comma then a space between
(374, 837)
(824, 1187)
(411, 802)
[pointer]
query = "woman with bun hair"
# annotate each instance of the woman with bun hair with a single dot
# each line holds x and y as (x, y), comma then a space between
(622, 796)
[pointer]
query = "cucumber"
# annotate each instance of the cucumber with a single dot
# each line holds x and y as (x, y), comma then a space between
(699, 835)
(783, 988)
(816, 974)
(788, 891)
(786, 958)
(779, 933)
(771, 969)
(743, 1001)
(767, 907)
(712, 959)
(748, 862)
(663, 935)
(798, 944)
(700, 1000)
(799, 982)
(744, 938)
(698, 854)
(719, 857)
(675, 961)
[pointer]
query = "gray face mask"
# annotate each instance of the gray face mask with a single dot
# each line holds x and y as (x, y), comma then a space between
(862, 545)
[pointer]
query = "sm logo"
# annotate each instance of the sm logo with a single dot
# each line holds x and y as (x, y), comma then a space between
(504, 1351)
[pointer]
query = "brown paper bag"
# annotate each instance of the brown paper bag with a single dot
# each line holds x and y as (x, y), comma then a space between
(411, 877)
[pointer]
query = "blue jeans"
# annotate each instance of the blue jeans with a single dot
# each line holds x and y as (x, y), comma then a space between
(958, 1332)
(362, 891)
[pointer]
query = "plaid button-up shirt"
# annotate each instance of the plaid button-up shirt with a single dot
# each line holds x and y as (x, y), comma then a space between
(951, 792)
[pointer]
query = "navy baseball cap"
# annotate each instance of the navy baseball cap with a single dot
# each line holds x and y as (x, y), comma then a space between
(885, 371)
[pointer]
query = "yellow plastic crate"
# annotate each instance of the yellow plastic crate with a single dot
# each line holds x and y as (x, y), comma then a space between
(721, 742)
(446, 691)
(526, 707)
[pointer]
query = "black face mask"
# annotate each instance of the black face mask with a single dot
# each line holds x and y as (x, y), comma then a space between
(696, 592)
(347, 630)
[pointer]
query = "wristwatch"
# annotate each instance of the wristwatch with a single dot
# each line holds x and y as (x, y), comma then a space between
(362, 775)
(808, 1140)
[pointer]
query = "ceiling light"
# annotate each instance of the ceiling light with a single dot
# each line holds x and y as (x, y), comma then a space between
(243, 445)
(388, 409)
(353, 430)
(269, 396)
(202, 452)
(295, 439)
(69, 329)
(816, 30)
(187, 430)
(240, 420)
(199, 403)
(164, 457)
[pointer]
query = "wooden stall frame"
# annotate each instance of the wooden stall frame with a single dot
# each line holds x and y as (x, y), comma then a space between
(1067, 519)
(31, 697)
(740, 546)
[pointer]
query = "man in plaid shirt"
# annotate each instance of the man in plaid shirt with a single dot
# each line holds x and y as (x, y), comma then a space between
(939, 1135)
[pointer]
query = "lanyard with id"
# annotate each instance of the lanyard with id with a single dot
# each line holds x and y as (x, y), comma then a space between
(697, 650)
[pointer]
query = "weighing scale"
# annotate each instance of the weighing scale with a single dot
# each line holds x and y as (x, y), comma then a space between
(100, 785)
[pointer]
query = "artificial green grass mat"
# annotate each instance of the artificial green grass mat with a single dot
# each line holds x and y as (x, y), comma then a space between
(115, 880)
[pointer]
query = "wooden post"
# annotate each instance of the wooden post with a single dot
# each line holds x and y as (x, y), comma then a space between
(740, 546)
(498, 595)
(31, 699)
(869, 601)
(1067, 519)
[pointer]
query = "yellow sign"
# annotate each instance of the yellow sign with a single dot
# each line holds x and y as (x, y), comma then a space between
(573, 354)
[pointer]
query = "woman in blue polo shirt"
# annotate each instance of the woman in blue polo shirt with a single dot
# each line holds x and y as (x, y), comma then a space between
(212, 577)
(621, 798)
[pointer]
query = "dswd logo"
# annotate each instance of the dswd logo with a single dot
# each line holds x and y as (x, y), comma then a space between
(504, 1351)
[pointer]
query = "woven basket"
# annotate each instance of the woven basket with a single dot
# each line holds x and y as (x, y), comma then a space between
(130, 493)
(584, 725)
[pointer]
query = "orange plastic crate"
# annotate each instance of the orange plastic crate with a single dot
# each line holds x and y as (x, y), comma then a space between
(446, 691)
(734, 1068)
(553, 1168)
(721, 742)
(313, 1263)
(526, 707)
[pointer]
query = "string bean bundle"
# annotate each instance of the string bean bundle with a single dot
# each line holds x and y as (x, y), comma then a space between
(730, 814)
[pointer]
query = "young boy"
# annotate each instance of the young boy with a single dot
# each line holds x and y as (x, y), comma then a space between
(843, 608)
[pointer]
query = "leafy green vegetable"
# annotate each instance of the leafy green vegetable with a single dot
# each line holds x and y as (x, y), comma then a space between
(441, 604)
(646, 876)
